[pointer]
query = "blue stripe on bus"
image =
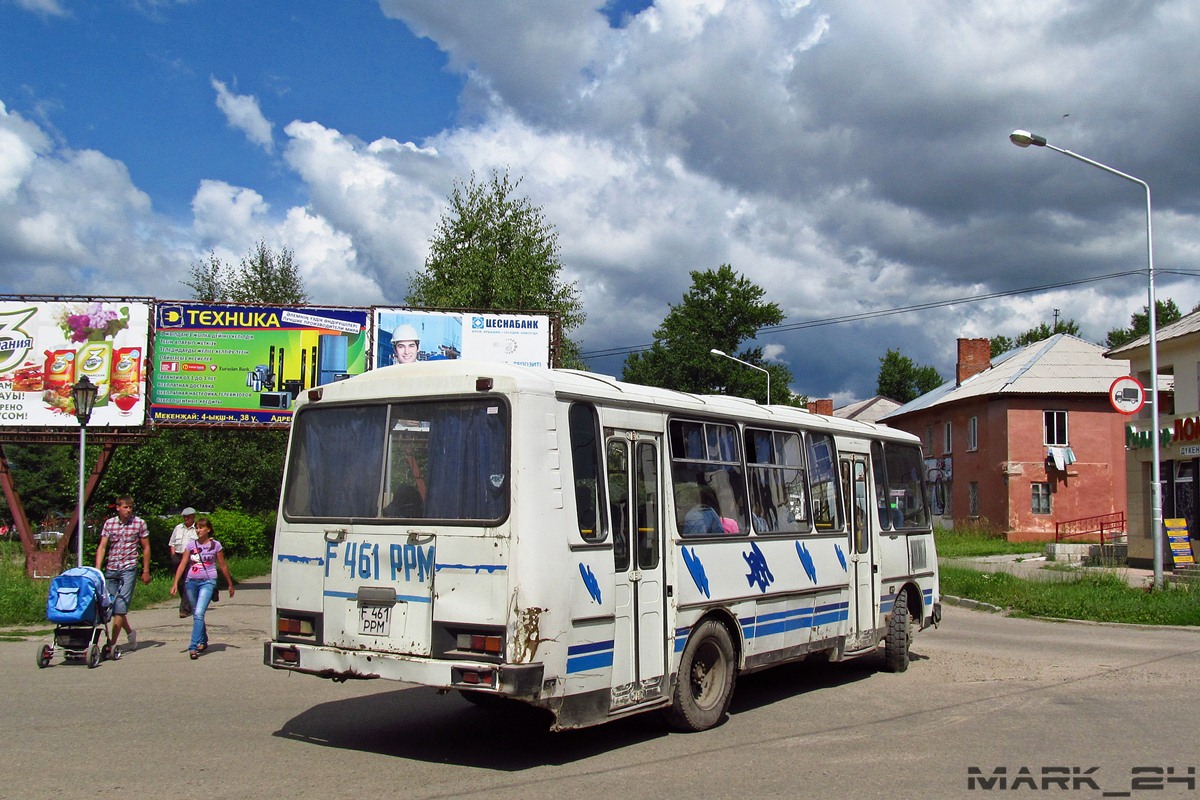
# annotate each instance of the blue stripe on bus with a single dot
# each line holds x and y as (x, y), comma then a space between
(594, 655)
(778, 622)
(403, 598)
(476, 568)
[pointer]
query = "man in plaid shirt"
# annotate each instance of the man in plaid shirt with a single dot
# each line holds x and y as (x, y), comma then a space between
(121, 538)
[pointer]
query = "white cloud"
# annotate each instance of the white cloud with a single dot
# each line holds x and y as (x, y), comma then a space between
(48, 8)
(848, 158)
(243, 113)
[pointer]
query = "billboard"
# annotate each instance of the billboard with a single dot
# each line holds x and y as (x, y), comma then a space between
(46, 346)
(405, 335)
(246, 364)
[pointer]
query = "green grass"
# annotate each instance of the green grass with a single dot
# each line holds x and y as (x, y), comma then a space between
(1091, 595)
(975, 542)
(23, 601)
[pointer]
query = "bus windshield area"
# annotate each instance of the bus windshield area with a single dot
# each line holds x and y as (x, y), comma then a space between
(401, 461)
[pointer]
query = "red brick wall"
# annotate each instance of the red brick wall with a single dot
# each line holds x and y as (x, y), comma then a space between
(1011, 457)
(974, 356)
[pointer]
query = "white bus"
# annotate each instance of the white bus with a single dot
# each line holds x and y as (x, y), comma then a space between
(587, 546)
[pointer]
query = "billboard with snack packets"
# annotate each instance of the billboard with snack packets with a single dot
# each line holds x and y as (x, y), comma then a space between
(47, 345)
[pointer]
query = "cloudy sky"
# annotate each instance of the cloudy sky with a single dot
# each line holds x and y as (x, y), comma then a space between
(851, 158)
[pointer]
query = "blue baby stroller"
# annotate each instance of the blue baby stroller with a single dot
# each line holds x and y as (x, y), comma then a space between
(80, 608)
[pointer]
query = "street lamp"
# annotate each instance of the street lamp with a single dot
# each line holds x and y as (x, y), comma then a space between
(84, 395)
(723, 354)
(1024, 139)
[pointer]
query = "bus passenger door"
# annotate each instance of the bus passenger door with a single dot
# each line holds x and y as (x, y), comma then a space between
(863, 573)
(635, 503)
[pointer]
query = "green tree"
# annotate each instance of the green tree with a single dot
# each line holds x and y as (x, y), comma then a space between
(494, 250)
(1166, 312)
(902, 380)
(209, 468)
(1002, 344)
(721, 310)
(213, 468)
(46, 478)
(263, 276)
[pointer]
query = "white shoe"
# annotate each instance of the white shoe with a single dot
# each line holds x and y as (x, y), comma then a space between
(132, 644)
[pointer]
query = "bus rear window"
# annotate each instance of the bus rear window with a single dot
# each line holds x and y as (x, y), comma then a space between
(405, 461)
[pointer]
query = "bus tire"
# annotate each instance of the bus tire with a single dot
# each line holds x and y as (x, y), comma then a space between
(898, 636)
(704, 686)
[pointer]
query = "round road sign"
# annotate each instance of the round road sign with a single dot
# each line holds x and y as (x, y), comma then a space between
(1127, 395)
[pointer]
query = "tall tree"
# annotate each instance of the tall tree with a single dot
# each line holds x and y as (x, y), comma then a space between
(1002, 344)
(1166, 312)
(494, 250)
(902, 380)
(721, 310)
(214, 468)
(263, 276)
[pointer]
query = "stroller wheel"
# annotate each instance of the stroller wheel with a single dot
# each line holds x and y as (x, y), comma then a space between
(106, 653)
(45, 653)
(93, 660)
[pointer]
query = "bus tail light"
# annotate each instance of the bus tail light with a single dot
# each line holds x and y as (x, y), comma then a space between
(480, 643)
(294, 626)
(286, 655)
(485, 678)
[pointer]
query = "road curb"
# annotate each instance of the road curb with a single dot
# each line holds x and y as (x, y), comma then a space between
(966, 602)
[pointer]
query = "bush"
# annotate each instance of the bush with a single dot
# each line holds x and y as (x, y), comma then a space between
(242, 534)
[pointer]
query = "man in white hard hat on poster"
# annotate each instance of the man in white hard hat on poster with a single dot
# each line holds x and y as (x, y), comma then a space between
(406, 344)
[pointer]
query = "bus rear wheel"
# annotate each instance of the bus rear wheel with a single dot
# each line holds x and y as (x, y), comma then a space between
(899, 635)
(704, 686)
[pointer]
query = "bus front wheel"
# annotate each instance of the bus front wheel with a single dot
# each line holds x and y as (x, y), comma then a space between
(704, 686)
(899, 635)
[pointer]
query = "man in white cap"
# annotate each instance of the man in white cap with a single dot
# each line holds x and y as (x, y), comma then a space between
(406, 343)
(184, 532)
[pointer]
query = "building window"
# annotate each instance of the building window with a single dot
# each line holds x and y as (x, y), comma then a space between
(1056, 428)
(973, 433)
(1041, 497)
(946, 439)
(973, 499)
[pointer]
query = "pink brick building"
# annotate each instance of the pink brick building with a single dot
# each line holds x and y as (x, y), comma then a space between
(1023, 443)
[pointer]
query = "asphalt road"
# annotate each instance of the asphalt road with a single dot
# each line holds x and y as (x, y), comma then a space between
(983, 692)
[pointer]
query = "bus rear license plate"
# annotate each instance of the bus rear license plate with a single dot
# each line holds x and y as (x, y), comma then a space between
(374, 620)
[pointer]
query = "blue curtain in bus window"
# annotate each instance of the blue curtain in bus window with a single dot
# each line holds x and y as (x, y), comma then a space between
(687, 440)
(341, 461)
(722, 445)
(468, 473)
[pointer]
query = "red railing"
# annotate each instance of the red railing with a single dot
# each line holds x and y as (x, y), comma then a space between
(1110, 528)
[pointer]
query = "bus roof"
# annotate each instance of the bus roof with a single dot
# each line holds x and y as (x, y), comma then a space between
(459, 376)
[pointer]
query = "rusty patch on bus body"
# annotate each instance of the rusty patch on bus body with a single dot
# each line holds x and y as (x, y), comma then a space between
(527, 635)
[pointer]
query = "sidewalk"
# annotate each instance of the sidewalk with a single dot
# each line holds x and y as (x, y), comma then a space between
(245, 617)
(1035, 566)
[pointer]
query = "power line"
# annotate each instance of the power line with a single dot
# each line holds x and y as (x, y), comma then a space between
(887, 312)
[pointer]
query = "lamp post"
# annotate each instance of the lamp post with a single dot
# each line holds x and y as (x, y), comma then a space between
(84, 395)
(723, 354)
(1025, 139)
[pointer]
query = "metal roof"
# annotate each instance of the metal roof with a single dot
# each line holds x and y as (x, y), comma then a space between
(1180, 327)
(1062, 364)
(868, 410)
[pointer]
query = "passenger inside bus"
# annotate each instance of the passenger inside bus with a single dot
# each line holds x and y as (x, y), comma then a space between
(406, 503)
(701, 515)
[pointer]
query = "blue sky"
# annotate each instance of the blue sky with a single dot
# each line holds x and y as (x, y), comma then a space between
(850, 158)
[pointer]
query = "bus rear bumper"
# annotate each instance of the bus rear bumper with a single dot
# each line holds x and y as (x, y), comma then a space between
(513, 680)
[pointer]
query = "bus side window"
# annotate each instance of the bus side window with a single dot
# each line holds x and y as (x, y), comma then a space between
(584, 429)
